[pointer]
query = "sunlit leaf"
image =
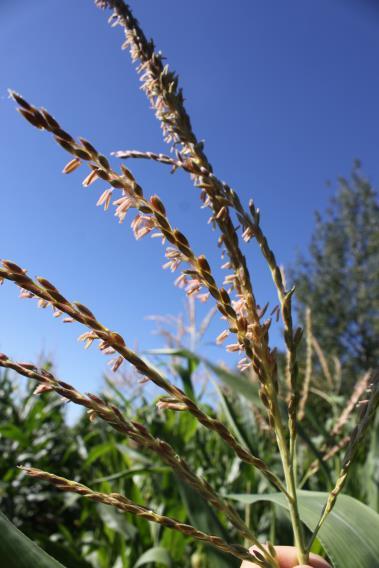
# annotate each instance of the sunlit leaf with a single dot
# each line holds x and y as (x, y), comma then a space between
(98, 451)
(116, 521)
(235, 381)
(158, 555)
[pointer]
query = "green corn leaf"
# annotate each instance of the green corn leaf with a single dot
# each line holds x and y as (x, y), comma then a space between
(157, 554)
(18, 551)
(15, 433)
(350, 534)
(97, 452)
(203, 517)
(116, 521)
(235, 381)
(233, 419)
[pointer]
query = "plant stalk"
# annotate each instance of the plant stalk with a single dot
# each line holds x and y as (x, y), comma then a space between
(289, 476)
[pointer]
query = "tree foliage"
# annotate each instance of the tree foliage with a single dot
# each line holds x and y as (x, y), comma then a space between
(339, 278)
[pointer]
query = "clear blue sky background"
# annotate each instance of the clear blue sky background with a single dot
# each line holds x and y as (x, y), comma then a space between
(284, 93)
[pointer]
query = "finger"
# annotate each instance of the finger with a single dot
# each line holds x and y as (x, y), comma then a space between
(287, 557)
(317, 562)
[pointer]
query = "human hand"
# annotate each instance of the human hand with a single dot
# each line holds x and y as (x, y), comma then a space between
(287, 558)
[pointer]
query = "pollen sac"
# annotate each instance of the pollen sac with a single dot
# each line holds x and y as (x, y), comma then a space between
(71, 166)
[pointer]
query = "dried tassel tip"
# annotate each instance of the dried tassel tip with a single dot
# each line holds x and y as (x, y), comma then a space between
(19, 100)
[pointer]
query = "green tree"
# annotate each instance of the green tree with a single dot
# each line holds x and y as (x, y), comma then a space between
(339, 278)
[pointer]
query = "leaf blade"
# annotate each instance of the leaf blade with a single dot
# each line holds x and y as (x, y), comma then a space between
(349, 534)
(18, 551)
(157, 554)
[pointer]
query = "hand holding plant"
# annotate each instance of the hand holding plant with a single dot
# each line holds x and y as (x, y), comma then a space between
(287, 558)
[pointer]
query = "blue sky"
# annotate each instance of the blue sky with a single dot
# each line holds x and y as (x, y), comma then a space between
(285, 95)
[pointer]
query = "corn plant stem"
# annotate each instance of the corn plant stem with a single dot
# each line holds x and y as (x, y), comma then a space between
(287, 457)
(289, 476)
